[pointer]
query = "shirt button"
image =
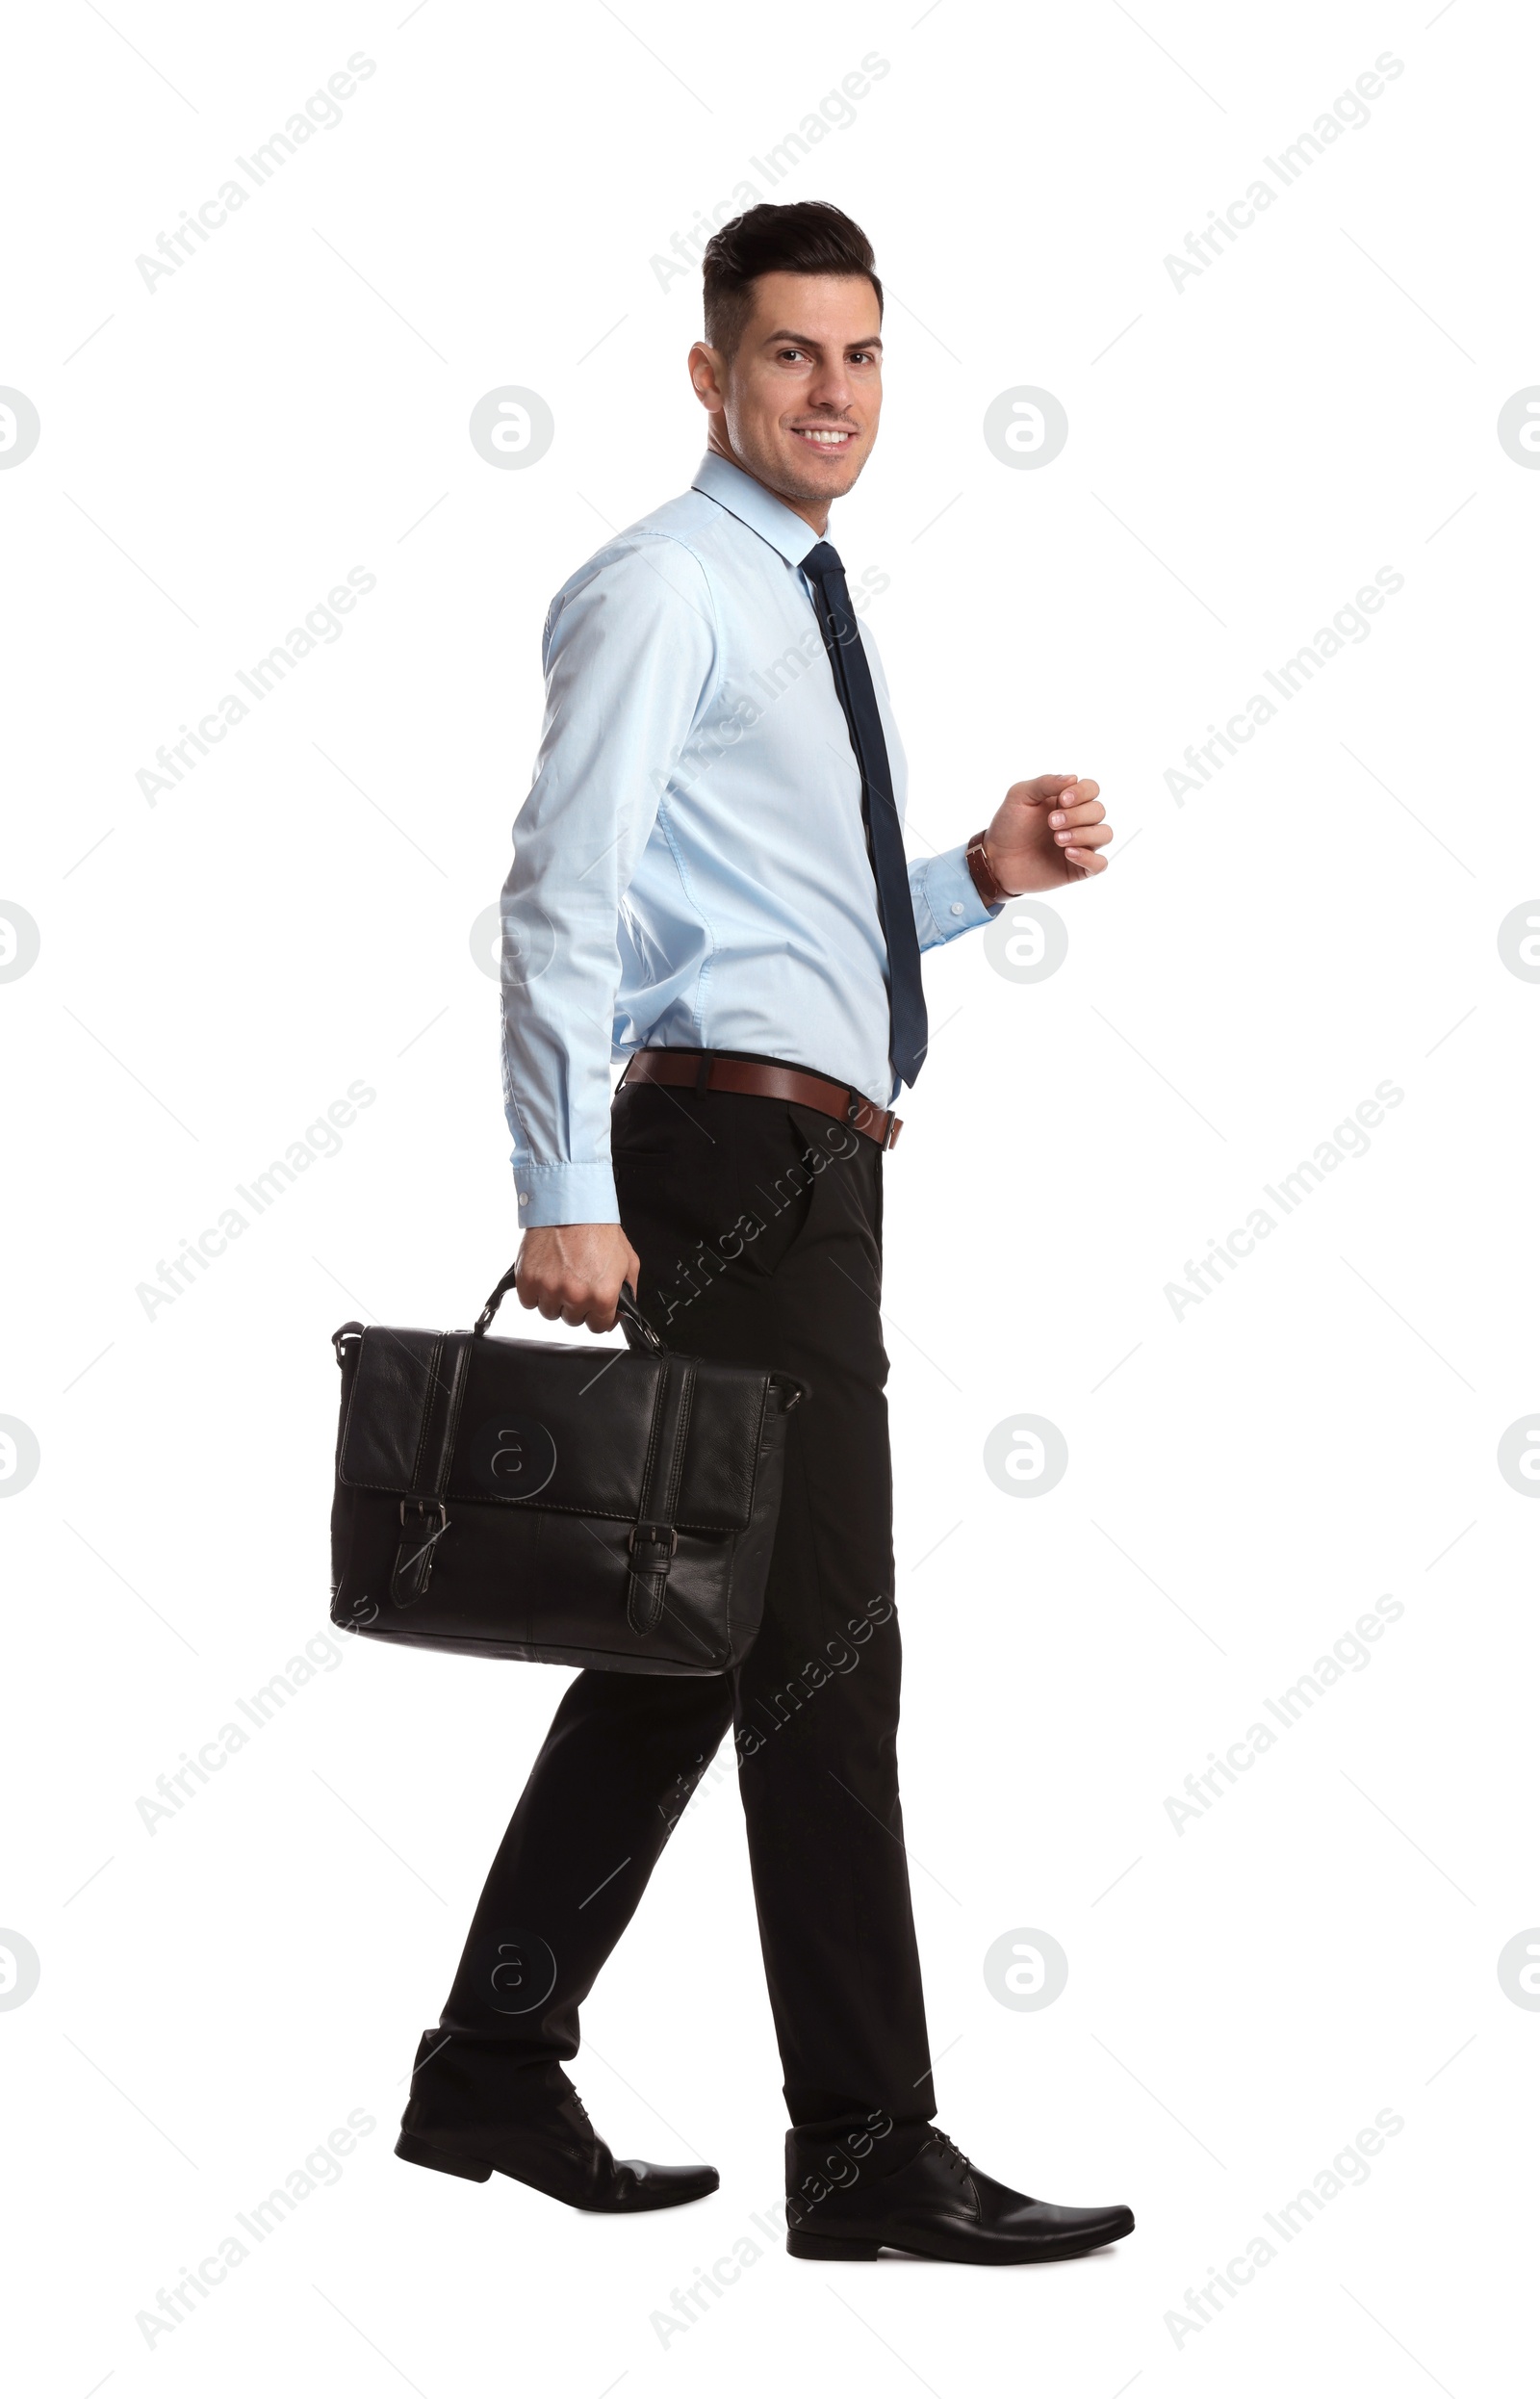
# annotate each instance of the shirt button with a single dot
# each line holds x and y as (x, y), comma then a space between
(523, 1199)
(956, 908)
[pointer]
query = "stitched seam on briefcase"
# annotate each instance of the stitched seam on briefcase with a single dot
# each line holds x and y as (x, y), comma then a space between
(676, 1469)
(352, 1402)
(451, 1421)
(753, 1485)
(759, 1445)
(727, 1591)
(352, 1482)
(640, 1588)
(560, 1507)
(577, 1651)
(420, 1566)
(667, 1500)
(659, 1409)
(707, 1529)
(428, 1410)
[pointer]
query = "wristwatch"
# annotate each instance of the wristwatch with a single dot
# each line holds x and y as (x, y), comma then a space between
(993, 894)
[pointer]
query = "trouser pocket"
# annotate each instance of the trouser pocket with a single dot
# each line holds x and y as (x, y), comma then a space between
(717, 1185)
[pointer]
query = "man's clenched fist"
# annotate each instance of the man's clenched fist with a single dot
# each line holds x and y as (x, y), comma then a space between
(1051, 830)
(573, 1273)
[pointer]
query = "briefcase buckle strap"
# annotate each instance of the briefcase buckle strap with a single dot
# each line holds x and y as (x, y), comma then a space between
(414, 1556)
(413, 1569)
(653, 1537)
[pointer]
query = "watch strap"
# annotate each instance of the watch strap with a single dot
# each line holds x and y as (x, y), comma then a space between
(991, 892)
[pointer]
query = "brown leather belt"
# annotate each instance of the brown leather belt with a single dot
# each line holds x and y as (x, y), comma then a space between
(706, 1071)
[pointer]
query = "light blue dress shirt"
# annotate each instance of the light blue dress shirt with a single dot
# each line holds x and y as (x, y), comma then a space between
(690, 866)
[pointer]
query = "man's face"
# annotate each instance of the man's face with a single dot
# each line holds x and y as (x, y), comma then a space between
(798, 401)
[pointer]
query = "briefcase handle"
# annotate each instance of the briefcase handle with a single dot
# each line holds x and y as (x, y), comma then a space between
(639, 1333)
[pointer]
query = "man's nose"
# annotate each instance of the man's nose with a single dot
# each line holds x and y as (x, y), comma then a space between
(831, 389)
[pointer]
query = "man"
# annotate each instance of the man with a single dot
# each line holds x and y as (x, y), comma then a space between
(709, 882)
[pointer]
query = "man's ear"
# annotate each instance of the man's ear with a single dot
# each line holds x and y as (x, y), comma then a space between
(706, 366)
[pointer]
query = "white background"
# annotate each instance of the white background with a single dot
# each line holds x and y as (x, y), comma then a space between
(1245, 1479)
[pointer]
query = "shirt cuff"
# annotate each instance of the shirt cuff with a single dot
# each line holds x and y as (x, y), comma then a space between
(565, 1193)
(950, 896)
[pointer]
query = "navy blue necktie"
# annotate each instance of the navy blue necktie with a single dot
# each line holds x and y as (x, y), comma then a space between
(885, 839)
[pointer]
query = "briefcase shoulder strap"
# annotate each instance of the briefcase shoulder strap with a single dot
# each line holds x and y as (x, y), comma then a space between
(654, 1536)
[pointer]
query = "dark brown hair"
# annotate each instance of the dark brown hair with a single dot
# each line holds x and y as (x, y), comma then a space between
(801, 238)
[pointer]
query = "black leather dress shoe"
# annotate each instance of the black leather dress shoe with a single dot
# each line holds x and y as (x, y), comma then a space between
(936, 2206)
(545, 2140)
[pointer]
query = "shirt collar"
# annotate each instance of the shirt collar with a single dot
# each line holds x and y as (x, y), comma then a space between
(754, 506)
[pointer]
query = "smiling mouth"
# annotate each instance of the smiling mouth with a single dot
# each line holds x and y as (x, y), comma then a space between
(832, 438)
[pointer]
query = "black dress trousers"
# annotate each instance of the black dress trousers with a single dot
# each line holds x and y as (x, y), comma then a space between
(759, 1226)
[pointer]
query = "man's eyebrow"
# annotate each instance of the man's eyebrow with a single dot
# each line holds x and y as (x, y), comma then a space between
(806, 341)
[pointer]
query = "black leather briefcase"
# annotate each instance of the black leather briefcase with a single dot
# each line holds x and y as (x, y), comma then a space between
(533, 1499)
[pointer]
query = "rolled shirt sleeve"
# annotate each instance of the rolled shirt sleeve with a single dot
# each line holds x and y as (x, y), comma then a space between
(632, 659)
